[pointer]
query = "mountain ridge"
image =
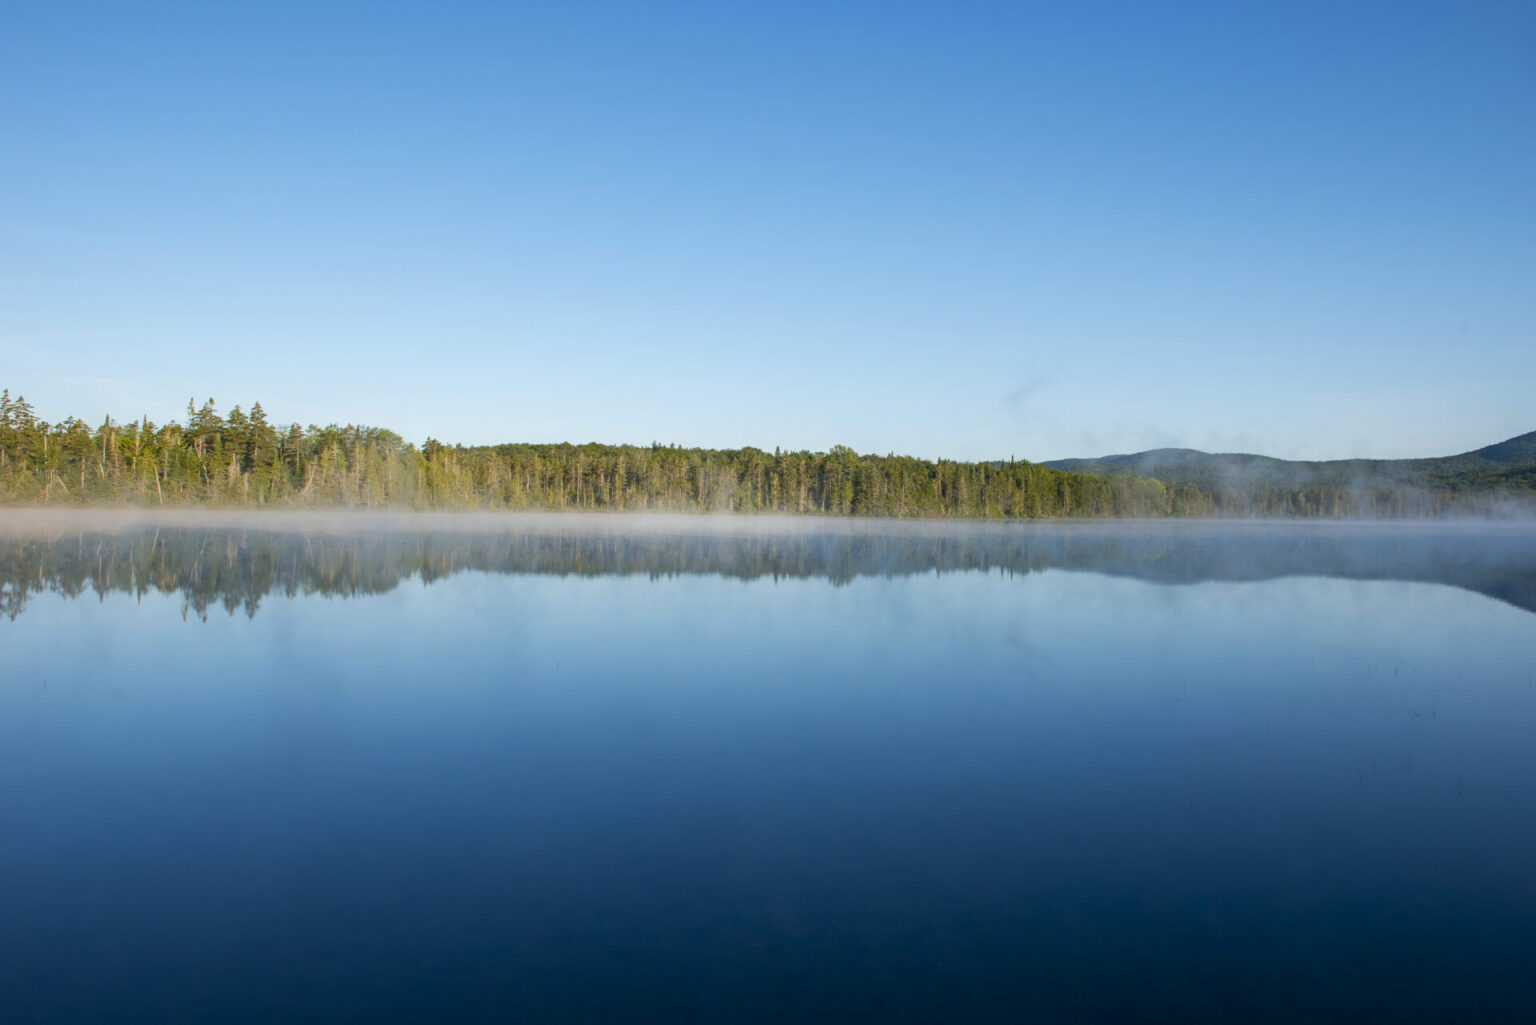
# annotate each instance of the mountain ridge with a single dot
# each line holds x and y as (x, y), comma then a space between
(1505, 465)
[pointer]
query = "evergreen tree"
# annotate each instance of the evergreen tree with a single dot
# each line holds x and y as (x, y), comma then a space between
(244, 459)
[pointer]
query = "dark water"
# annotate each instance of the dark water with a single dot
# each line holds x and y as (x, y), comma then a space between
(609, 770)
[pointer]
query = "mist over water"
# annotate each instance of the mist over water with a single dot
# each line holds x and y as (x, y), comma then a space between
(699, 769)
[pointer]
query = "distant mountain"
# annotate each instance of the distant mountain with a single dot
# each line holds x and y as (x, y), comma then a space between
(1507, 466)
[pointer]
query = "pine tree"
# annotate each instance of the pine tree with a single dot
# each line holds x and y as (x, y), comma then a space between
(237, 438)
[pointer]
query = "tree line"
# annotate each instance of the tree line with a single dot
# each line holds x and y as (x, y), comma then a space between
(244, 459)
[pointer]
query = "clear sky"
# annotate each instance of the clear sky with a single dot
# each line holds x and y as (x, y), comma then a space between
(1306, 229)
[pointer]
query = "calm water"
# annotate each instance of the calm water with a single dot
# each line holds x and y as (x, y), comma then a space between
(693, 770)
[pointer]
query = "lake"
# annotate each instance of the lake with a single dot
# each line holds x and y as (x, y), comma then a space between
(631, 769)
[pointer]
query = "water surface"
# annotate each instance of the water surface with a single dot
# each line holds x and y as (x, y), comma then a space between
(609, 769)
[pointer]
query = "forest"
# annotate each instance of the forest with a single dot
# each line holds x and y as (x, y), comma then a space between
(245, 459)
(242, 458)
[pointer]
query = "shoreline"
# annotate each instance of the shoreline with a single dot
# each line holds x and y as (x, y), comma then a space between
(118, 519)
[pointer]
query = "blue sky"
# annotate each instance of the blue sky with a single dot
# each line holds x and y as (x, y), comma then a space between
(944, 229)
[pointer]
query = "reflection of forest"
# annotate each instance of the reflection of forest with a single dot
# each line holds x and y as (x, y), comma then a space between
(236, 568)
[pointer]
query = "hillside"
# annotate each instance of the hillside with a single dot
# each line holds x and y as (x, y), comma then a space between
(1505, 468)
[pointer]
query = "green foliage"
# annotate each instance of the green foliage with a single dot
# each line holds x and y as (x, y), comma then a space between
(245, 460)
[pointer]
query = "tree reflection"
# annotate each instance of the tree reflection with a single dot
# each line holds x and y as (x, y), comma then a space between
(237, 568)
